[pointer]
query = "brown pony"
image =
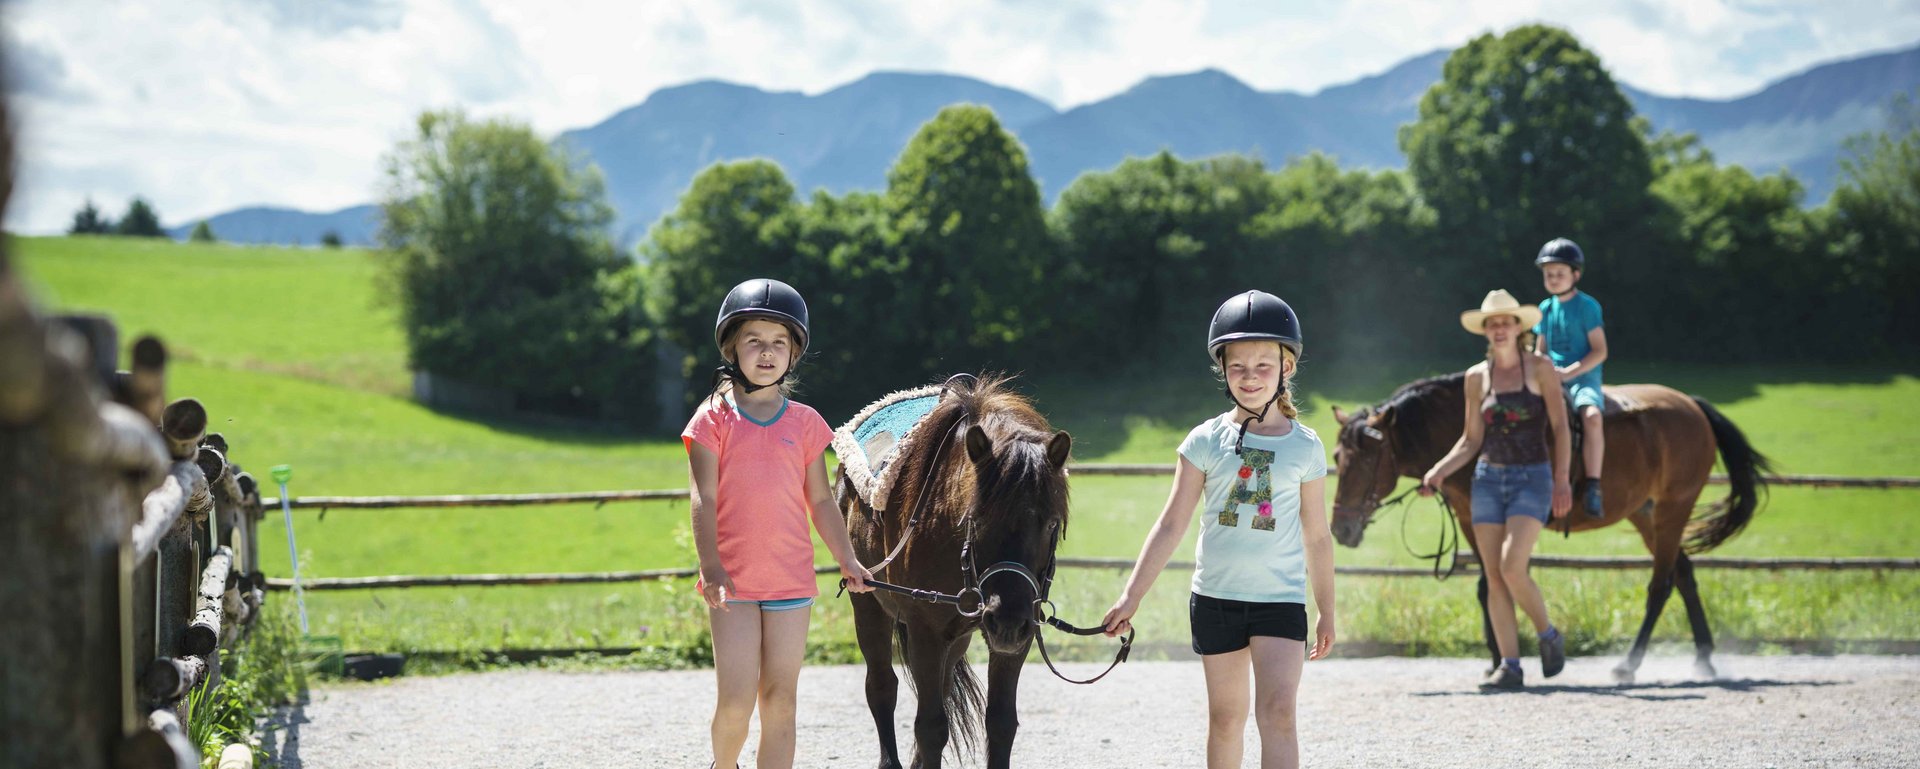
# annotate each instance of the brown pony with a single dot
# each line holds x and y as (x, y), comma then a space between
(1660, 449)
(998, 489)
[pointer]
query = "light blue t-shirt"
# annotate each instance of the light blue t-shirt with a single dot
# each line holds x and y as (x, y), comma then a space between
(1250, 547)
(1566, 325)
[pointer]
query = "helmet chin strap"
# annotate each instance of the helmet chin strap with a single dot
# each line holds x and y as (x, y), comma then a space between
(733, 374)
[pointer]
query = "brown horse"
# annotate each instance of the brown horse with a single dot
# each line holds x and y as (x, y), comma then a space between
(994, 472)
(1660, 449)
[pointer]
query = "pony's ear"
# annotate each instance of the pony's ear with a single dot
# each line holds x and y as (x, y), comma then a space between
(1339, 415)
(979, 446)
(1058, 447)
(1376, 423)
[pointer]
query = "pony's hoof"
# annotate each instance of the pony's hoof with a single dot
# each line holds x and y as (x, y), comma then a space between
(1623, 675)
(1704, 671)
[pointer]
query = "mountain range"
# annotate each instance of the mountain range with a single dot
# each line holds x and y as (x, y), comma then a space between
(847, 137)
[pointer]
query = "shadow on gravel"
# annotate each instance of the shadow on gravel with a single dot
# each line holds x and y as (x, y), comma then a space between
(282, 735)
(1652, 692)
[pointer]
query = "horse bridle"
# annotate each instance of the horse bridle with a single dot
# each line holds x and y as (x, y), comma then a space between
(1449, 543)
(1043, 607)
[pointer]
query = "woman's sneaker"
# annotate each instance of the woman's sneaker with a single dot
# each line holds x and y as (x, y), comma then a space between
(1504, 677)
(1553, 654)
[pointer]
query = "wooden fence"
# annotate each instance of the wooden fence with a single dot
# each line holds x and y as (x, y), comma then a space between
(128, 548)
(1467, 558)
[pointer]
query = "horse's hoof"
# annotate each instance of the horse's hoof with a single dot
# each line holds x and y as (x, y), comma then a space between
(1704, 671)
(1623, 675)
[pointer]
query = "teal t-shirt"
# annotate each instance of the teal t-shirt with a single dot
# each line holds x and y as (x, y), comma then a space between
(1565, 325)
(1250, 547)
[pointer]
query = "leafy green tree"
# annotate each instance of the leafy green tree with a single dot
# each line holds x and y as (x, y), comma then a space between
(1876, 210)
(1525, 138)
(1344, 248)
(140, 221)
(1743, 253)
(330, 239)
(88, 221)
(730, 226)
(1157, 242)
(972, 242)
(202, 233)
(505, 270)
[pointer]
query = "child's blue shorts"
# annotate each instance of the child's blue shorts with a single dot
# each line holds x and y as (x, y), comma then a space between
(783, 604)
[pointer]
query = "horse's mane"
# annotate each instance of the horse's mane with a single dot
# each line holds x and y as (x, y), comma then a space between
(1414, 404)
(1019, 432)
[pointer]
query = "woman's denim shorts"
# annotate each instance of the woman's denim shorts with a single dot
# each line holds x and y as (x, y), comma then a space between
(1507, 491)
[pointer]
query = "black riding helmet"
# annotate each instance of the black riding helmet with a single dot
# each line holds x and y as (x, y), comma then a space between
(1254, 315)
(760, 299)
(763, 299)
(1250, 316)
(1563, 251)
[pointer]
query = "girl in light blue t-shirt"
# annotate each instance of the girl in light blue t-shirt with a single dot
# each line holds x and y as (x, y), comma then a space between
(1262, 477)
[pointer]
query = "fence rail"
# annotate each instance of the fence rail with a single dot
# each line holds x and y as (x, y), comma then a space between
(627, 495)
(1467, 560)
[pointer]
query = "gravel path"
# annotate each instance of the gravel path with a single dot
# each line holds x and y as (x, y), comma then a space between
(1383, 712)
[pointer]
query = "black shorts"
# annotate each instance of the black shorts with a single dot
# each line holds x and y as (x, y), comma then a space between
(1222, 625)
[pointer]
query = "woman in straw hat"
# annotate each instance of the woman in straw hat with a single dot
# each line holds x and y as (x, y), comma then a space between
(1515, 487)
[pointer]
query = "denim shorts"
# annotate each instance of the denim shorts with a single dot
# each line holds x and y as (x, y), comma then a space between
(1584, 391)
(782, 604)
(1508, 491)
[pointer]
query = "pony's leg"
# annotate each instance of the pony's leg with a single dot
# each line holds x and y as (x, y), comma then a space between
(1696, 617)
(875, 630)
(930, 662)
(1486, 625)
(1662, 535)
(1658, 590)
(1003, 717)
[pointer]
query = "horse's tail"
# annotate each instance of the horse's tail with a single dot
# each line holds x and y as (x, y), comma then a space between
(1747, 472)
(964, 698)
(964, 704)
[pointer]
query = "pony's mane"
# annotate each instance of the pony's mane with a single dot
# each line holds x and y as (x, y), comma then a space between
(1413, 405)
(1019, 432)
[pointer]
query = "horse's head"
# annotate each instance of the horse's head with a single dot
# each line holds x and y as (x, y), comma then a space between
(1019, 515)
(1364, 461)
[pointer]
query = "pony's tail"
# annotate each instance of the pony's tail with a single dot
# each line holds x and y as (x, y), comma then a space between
(1747, 472)
(964, 702)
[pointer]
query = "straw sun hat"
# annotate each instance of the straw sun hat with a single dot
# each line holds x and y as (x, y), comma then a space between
(1499, 302)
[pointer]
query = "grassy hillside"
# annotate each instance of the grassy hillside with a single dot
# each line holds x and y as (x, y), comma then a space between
(299, 361)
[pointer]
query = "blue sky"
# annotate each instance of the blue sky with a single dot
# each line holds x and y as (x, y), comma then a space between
(207, 105)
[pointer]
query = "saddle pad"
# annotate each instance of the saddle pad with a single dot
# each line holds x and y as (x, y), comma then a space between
(867, 444)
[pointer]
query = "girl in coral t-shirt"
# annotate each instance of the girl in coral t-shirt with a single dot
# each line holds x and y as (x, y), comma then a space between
(758, 462)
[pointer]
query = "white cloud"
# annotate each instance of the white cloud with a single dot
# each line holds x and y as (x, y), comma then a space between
(206, 105)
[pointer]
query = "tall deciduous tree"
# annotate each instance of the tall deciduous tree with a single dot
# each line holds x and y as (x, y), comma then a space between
(1877, 213)
(972, 238)
(1526, 138)
(505, 270)
(729, 227)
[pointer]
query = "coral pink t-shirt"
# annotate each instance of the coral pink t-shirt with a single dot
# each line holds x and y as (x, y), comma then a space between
(760, 501)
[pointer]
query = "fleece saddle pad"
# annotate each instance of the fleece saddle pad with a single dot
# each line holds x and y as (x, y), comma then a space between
(868, 443)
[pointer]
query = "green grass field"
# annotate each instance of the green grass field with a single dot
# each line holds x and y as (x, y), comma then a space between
(299, 361)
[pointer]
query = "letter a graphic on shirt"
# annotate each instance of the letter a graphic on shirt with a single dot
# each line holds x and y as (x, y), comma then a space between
(1254, 487)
